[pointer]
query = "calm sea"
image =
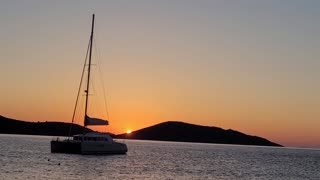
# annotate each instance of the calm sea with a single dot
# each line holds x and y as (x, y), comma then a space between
(29, 157)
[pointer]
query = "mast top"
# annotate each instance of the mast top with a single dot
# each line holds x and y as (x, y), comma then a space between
(89, 67)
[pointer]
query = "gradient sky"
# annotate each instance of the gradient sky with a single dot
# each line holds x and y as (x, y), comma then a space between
(251, 66)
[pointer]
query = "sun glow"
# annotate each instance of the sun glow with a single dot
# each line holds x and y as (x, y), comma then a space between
(128, 131)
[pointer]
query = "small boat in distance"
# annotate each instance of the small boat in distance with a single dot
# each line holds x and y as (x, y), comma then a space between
(93, 142)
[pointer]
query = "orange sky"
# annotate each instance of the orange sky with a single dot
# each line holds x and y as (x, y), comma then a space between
(246, 66)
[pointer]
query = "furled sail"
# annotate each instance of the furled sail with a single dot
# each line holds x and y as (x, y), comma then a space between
(94, 121)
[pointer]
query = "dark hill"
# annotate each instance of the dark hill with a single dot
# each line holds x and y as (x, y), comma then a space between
(11, 126)
(180, 131)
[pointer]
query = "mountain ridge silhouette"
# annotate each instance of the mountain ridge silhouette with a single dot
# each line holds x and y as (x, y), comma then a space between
(186, 132)
(165, 131)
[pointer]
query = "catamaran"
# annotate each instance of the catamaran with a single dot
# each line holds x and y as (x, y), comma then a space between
(92, 142)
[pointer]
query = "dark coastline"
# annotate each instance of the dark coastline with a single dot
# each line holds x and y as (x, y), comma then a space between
(12, 126)
(185, 132)
(166, 131)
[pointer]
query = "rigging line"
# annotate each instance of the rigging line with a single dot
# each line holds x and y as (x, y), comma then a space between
(93, 92)
(75, 107)
(80, 108)
(96, 93)
(101, 79)
(100, 107)
(81, 105)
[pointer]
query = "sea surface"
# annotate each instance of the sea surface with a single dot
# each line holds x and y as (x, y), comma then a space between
(29, 157)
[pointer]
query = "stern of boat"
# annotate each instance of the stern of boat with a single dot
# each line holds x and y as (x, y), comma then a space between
(66, 146)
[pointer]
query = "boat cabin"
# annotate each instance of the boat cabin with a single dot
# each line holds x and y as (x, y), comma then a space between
(93, 137)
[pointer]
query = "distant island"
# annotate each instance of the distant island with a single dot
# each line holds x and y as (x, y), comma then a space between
(185, 132)
(167, 131)
(12, 126)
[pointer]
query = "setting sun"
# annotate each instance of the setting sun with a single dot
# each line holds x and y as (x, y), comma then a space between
(128, 131)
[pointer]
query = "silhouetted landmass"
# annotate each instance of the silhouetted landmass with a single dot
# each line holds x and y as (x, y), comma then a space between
(167, 131)
(12, 126)
(184, 132)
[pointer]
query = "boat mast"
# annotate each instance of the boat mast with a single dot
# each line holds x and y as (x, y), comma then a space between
(89, 68)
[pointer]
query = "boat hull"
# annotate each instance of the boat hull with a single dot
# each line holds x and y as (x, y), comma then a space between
(70, 147)
(92, 147)
(87, 147)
